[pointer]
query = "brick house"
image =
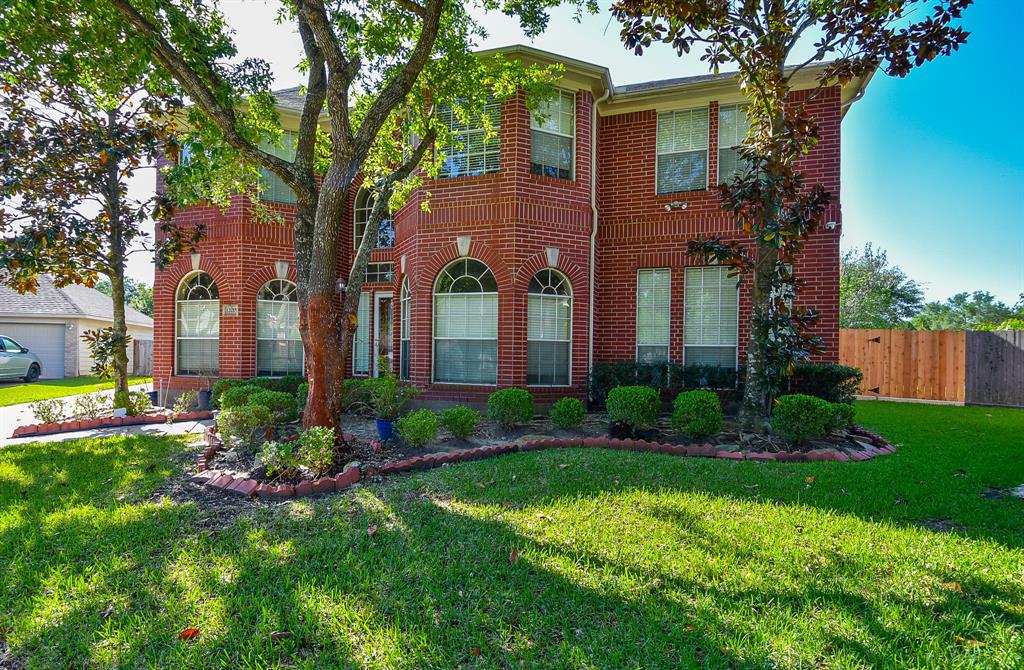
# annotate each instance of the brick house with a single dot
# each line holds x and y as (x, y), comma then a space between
(558, 243)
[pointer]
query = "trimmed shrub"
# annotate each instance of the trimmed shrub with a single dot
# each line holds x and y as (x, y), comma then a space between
(843, 415)
(237, 395)
(697, 413)
(460, 421)
(220, 387)
(828, 381)
(244, 422)
(798, 417)
(288, 384)
(633, 406)
(668, 378)
(417, 427)
(49, 411)
(283, 406)
(567, 413)
(510, 407)
(300, 395)
(316, 449)
(278, 458)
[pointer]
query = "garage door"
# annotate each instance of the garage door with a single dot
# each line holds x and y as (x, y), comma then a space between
(45, 340)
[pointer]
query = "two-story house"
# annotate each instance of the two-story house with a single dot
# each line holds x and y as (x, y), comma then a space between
(556, 243)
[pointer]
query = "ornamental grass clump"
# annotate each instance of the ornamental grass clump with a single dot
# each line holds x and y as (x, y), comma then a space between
(418, 427)
(567, 413)
(634, 407)
(510, 407)
(460, 421)
(697, 413)
(799, 417)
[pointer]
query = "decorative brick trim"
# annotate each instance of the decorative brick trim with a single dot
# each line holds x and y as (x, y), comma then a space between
(250, 487)
(34, 429)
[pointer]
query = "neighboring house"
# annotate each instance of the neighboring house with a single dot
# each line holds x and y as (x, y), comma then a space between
(51, 321)
(558, 243)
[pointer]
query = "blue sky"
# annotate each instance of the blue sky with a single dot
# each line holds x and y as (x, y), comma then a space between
(933, 164)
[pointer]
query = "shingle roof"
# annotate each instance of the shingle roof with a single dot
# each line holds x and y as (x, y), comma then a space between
(74, 301)
(290, 98)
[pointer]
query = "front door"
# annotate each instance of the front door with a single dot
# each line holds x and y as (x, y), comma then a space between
(383, 318)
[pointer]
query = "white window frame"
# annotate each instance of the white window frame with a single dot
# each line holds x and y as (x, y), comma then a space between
(460, 145)
(362, 317)
(177, 318)
(285, 148)
(404, 329)
(435, 338)
(551, 296)
(636, 316)
(535, 128)
(707, 149)
(737, 141)
(736, 363)
(259, 301)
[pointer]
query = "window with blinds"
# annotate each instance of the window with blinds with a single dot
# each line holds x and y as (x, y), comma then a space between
(549, 329)
(733, 126)
(361, 217)
(682, 151)
(711, 317)
(197, 326)
(553, 136)
(653, 295)
(473, 150)
(278, 345)
(405, 329)
(466, 324)
(361, 338)
(272, 188)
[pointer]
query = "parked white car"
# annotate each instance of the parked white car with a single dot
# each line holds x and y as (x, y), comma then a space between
(17, 361)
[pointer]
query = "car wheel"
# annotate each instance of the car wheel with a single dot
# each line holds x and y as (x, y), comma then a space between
(33, 373)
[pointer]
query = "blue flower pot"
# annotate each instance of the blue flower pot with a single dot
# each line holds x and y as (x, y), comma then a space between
(385, 428)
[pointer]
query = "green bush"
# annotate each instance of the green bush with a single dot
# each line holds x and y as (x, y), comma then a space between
(843, 415)
(278, 458)
(93, 404)
(300, 395)
(237, 395)
(138, 403)
(288, 384)
(418, 427)
(49, 411)
(510, 407)
(828, 381)
(316, 449)
(358, 394)
(633, 406)
(220, 387)
(244, 423)
(668, 378)
(697, 413)
(460, 421)
(185, 400)
(567, 413)
(798, 417)
(283, 406)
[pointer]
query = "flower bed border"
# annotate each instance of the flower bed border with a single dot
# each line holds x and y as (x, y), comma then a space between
(250, 487)
(105, 422)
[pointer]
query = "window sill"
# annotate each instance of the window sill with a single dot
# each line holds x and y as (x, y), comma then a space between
(553, 181)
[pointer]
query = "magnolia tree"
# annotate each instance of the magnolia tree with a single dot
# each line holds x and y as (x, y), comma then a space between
(381, 70)
(68, 148)
(771, 200)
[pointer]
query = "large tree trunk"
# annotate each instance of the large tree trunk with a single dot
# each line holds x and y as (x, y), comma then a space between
(754, 410)
(116, 275)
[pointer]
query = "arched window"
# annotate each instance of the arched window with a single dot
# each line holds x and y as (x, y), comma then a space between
(363, 208)
(466, 324)
(278, 345)
(405, 329)
(197, 326)
(549, 329)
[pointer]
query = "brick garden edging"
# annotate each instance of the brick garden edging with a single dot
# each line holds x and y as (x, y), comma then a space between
(106, 422)
(249, 487)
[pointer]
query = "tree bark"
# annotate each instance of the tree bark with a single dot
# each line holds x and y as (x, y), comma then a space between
(116, 275)
(754, 409)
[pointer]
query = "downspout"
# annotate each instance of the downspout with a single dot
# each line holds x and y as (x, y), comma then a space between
(593, 229)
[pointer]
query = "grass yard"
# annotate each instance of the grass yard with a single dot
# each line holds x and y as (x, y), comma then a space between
(555, 559)
(15, 394)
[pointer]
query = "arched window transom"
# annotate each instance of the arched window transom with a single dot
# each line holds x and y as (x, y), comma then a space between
(363, 208)
(278, 345)
(197, 326)
(466, 324)
(549, 329)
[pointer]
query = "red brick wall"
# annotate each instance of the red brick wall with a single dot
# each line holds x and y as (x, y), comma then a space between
(512, 216)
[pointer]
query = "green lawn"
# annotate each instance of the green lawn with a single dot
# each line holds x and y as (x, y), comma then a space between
(623, 560)
(15, 394)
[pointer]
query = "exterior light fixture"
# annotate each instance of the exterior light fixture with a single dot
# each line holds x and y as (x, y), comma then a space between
(676, 204)
(195, 261)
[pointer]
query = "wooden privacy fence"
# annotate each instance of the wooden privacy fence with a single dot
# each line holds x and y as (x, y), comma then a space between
(983, 368)
(142, 357)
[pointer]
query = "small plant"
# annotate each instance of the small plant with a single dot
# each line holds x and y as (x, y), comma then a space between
(138, 403)
(460, 421)
(799, 417)
(843, 415)
(633, 406)
(510, 407)
(300, 395)
(244, 422)
(278, 458)
(418, 427)
(90, 404)
(387, 396)
(567, 413)
(184, 402)
(49, 411)
(697, 413)
(316, 449)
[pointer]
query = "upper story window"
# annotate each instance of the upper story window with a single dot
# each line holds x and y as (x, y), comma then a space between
(553, 136)
(474, 151)
(733, 126)
(364, 206)
(377, 273)
(682, 151)
(272, 188)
